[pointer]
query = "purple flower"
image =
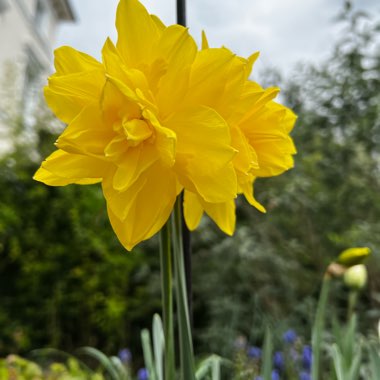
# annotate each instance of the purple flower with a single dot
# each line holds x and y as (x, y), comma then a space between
(307, 357)
(142, 374)
(125, 355)
(254, 352)
(305, 376)
(278, 360)
(289, 336)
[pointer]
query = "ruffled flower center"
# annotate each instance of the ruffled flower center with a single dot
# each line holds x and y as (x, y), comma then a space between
(136, 131)
(130, 133)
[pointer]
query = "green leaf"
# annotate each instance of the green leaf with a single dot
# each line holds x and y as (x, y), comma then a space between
(148, 356)
(104, 361)
(374, 361)
(266, 371)
(212, 364)
(185, 336)
(338, 362)
(318, 328)
(120, 368)
(158, 346)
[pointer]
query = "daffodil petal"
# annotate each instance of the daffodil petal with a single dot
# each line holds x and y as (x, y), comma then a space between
(274, 157)
(74, 168)
(67, 95)
(215, 79)
(114, 105)
(259, 105)
(116, 67)
(223, 214)
(69, 61)
(202, 133)
(120, 202)
(160, 25)
(248, 191)
(48, 178)
(86, 134)
(133, 164)
(127, 91)
(178, 49)
(137, 32)
(205, 44)
(250, 62)
(267, 134)
(219, 187)
(204, 137)
(166, 140)
(249, 96)
(144, 211)
(288, 121)
(192, 210)
(246, 157)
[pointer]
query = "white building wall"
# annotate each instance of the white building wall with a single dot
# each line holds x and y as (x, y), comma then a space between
(26, 52)
(19, 34)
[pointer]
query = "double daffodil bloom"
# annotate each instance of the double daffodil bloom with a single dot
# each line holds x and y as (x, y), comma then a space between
(259, 130)
(156, 117)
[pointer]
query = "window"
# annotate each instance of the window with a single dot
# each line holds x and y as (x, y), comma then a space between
(41, 17)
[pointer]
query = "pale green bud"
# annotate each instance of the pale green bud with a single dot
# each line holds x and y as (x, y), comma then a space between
(355, 277)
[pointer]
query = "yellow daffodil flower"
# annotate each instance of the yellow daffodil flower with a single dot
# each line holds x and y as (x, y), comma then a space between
(259, 132)
(156, 117)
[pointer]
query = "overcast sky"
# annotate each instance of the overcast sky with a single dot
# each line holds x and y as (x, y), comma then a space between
(284, 31)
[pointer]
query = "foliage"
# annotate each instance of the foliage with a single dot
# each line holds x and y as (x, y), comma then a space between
(65, 280)
(15, 367)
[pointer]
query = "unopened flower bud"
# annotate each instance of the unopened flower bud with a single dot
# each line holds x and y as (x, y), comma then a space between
(353, 256)
(355, 277)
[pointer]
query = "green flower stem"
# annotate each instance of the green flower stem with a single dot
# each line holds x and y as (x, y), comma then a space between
(319, 326)
(186, 241)
(352, 301)
(167, 300)
(187, 369)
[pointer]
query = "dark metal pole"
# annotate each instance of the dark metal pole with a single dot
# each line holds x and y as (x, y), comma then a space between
(186, 237)
(181, 12)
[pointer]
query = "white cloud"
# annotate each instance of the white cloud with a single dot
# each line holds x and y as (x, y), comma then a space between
(284, 31)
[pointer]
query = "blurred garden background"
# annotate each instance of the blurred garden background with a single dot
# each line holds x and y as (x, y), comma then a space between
(66, 282)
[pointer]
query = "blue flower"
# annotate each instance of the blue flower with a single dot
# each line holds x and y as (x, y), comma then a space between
(289, 336)
(142, 374)
(305, 376)
(125, 355)
(307, 357)
(254, 352)
(278, 360)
